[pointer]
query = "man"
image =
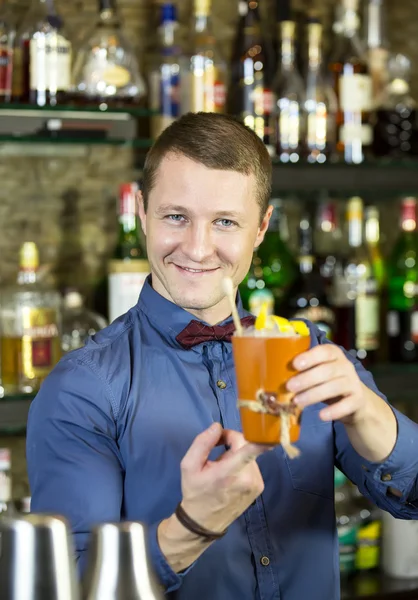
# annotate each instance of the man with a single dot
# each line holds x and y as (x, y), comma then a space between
(142, 423)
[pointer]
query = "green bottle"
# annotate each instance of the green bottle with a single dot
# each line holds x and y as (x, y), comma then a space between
(402, 321)
(277, 262)
(253, 290)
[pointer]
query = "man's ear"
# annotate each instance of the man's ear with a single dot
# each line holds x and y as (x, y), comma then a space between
(141, 211)
(263, 227)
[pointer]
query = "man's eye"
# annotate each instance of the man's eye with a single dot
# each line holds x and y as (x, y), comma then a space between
(226, 222)
(175, 217)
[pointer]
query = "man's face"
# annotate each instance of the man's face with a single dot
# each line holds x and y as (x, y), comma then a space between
(201, 225)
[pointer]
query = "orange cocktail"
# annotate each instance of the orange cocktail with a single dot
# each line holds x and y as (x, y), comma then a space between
(263, 365)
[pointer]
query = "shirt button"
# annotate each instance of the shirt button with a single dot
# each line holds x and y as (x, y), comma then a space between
(386, 477)
(221, 384)
(265, 561)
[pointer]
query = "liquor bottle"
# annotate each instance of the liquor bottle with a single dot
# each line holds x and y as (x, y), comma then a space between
(106, 70)
(6, 505)
(353, 87)
(347, 523)
(254, 293)
(327, 242)
(168, 76)
(278, 264)
(30, 327)
(7, 37)
(396, 127)
(289, 100)
(402, 318)
(208, 71)
(250, 91)
(78, 323)
(129, 266)
(369, 532)
(356, 294)
(44, 55)
(377, 46)
(307, 298)
(320, 103)
(372, 234)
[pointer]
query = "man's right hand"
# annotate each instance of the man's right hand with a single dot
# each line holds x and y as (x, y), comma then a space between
(215, 493)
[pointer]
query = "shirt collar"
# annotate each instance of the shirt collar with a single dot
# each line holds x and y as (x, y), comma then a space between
(169, 318)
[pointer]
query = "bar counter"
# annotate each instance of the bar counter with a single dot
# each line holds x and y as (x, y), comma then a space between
(376, 586)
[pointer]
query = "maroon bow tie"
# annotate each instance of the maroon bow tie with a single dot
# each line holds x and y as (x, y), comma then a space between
(197, 332)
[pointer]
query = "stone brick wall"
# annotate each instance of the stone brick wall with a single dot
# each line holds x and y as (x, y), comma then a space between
(37, 191)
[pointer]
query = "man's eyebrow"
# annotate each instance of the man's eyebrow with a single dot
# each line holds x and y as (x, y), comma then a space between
(171, 208)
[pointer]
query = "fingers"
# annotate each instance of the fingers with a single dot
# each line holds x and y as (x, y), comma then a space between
(233, 462)
(315, 376)
(317, 355)
(340, 410)
(198, 453)
(324, 392)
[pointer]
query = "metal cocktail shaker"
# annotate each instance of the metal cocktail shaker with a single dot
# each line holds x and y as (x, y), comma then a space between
(118, 564)
(36, 559)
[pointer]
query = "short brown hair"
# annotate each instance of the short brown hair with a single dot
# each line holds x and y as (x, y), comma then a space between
(216, 141)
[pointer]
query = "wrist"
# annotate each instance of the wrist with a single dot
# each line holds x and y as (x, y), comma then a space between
(180, 546)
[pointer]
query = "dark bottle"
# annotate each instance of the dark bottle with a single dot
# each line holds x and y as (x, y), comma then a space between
(44, 57)
(129, 267)
(402, 318)
(327, 242)
(7, 36)
(308, 299)
(250, 95)
(396, 127)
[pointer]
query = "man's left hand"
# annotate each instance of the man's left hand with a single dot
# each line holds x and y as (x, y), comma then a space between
(326, 375)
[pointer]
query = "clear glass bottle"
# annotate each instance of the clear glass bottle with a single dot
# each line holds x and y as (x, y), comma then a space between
(7, 37)
(356, 292)
(396, 127)
(106, 69)
(208, 70)
(320, 103)
(353, 86)
(377, 46)
(30, 327)
(44, 56)
(6, 504)
(250, 95)
(78, 323)
(168, 77)
(289, 100)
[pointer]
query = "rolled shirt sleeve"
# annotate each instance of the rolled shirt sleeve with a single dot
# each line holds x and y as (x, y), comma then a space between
(398, 471)
(74, 465)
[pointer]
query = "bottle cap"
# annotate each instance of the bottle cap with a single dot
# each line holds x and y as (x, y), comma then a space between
(29, 256)
(5, 459)
(168, 13)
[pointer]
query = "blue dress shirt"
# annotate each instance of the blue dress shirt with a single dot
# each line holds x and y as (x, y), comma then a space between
(112, 422)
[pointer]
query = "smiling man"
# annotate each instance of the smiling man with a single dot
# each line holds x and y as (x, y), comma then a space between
(142, 423)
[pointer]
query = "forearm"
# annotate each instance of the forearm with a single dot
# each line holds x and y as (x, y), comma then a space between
(179, 546)
(373, 433)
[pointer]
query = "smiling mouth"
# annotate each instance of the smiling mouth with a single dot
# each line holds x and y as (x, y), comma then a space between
(195, 271)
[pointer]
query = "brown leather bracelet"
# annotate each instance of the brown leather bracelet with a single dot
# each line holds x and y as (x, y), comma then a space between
(194, 527)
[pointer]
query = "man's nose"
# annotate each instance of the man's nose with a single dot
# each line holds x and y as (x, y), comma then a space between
(198, 242)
